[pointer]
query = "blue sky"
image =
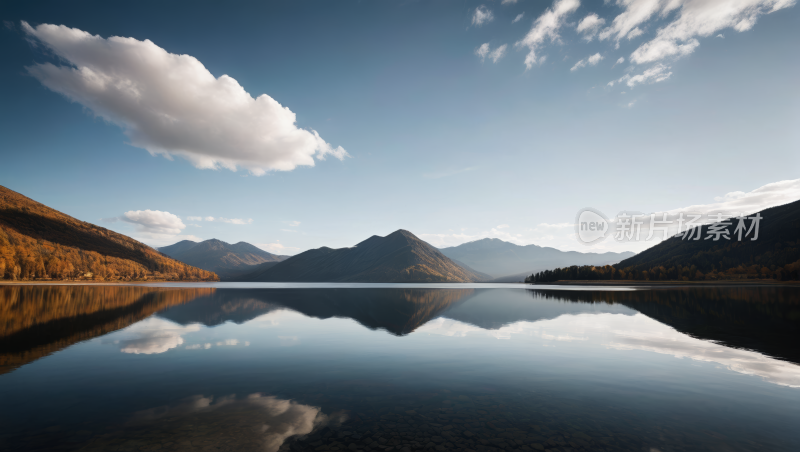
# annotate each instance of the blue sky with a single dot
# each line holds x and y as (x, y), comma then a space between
(419, 127)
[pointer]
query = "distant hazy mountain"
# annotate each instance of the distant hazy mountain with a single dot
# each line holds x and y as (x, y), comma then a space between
(226, 260)
(398, 257)
(507, 261)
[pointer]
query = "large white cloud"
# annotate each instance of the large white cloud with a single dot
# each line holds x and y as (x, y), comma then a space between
(546, 28)
(172, 105)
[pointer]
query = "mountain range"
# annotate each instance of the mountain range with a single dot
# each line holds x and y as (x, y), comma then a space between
(507, 262)
(226, 260)
(399, 257)
(37, 242)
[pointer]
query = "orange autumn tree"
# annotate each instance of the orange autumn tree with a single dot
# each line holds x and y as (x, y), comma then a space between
(37, 242)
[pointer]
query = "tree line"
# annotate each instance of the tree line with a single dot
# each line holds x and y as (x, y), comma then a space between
(23, 258)
(788, 272)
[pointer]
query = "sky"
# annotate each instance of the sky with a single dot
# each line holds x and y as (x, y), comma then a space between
(295, 125)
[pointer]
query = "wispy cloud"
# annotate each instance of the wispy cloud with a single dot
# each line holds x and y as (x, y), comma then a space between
(591, 61)
(545, 28)
(655, 74)
(518, 18)
(482, 15)
(277, 248)
(239, 221)
(590, 25)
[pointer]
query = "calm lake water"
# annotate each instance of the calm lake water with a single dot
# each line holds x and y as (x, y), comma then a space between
(227, 367)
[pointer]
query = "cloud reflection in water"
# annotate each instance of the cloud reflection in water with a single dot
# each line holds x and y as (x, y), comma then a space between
(152, 336)
(256, 422)
(638, 332)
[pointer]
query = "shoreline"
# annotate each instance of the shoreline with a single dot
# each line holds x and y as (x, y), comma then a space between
(581, 283)
(732, 283)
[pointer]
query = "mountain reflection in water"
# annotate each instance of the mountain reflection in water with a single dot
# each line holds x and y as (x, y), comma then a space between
(574, 369)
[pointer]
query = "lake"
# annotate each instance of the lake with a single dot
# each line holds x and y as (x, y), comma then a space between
(391, 367)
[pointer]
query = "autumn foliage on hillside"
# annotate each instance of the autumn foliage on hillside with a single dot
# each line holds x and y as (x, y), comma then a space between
(40, 243)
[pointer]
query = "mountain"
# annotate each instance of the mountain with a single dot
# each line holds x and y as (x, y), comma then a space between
(398, 311)
(224, 259)
(778, 245)
(37, 242)
(398, 257)
(507, 261)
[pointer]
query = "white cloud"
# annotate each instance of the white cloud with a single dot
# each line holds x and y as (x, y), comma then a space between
(277, 248)
(482, 15)
(239, 221)
(508, 2)
(485, 50)
(482, 51)
(198, 346)
(229, 342)
(721, 36)
(659, 49)
(770, 195)
(518, 18)
(165, 103)
(154, 221)
(590, 25)
(591, 61)
(732, 196)
(655, 74)
(235, 220)
(502, 226)
(620, 60)
(546, 28)
(635, 33)
(690, 19)
(293, 224)
(498, 53)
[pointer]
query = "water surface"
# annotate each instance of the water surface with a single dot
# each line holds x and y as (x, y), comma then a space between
(394, 367)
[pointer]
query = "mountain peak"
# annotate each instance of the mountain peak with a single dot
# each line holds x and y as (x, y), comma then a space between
(399, 257)
(225, 259)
